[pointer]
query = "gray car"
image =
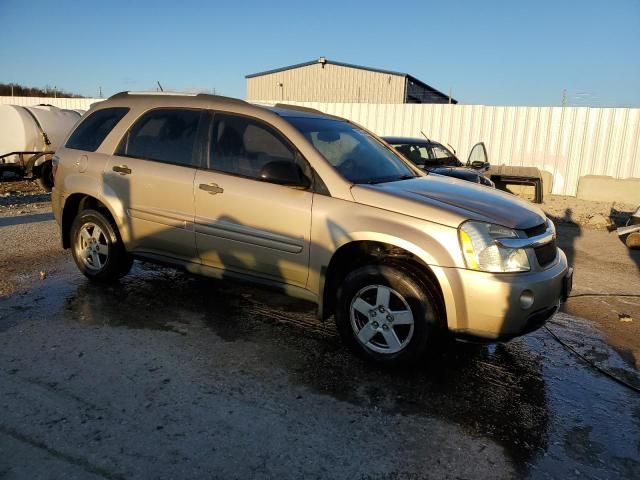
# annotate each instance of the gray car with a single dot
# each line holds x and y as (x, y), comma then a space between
(434, 157)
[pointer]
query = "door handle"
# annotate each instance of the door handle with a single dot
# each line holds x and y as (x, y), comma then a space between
(122, 169)
(211, 188)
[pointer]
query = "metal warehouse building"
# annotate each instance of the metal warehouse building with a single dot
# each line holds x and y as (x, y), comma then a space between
(324, 80)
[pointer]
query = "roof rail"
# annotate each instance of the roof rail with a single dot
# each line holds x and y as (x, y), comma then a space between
(179, 94)
(154, 93)
(222, 97)
(298, 108)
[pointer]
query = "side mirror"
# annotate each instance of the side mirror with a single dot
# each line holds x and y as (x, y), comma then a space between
(478, 165)
(286, 173)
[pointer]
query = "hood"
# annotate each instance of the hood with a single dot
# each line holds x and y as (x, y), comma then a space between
(450, 201)
(457, 172)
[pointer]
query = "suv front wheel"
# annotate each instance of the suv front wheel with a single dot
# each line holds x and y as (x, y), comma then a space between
(387, 314)
(97, 247)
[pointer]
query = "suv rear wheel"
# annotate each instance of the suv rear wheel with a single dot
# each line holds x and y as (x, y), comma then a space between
(97, 247)
(387, 314)
(45, 176)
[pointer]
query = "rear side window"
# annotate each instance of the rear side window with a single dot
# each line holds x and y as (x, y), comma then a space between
(165, 135)
(95, 128)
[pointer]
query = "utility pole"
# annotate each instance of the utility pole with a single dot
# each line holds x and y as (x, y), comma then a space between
(99, 92)
(12, 89)
(564, 97)
(450, 95)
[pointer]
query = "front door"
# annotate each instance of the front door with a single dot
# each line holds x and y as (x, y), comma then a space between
(152, 173)
(244, 223)
(478, 157)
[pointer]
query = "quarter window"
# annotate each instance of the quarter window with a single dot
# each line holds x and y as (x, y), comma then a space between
(242, 146)
(164, 135)
(95, 128)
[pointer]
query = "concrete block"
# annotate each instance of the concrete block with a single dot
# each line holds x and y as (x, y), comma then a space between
(601, 188)
(547, 182)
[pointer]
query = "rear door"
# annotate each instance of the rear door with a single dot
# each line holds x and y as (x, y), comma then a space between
(245, 224)
(152, 172)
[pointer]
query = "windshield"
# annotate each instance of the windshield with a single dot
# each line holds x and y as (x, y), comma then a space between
(355, 154)
(427, 155)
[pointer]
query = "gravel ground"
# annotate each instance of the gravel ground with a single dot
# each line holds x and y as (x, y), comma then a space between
(18, 197)
(586, 214)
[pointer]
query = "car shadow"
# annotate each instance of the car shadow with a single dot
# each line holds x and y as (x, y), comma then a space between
(24, 219)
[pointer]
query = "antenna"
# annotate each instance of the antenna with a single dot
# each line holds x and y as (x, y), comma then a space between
(161, 89)
(423, 134)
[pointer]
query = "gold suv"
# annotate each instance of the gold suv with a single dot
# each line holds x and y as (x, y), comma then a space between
(313, 205)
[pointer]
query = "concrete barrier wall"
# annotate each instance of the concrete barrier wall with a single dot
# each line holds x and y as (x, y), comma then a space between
(569, 142)
(608, 189)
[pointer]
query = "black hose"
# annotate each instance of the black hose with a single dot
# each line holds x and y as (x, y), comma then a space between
(631, 295)
(590, 363)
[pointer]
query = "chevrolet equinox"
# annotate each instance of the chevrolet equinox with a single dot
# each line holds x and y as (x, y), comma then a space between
(311, 204)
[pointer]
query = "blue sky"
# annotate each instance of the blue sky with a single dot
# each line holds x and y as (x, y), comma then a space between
(492, 52)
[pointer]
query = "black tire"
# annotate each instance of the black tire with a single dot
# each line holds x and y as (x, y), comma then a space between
(45, 175)
(417, 291)
(109, 267)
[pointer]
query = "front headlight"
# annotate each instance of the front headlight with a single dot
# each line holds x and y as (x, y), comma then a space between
(482, 252)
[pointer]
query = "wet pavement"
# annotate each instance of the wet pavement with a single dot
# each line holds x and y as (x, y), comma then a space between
(166, 375)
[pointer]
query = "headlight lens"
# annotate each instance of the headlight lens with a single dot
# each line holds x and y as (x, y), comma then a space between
(482, 252)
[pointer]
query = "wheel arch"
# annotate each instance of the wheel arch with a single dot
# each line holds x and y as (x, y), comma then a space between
(77, 202)
(357, 253)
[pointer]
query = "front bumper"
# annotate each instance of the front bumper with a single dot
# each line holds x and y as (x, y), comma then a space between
(503, 306)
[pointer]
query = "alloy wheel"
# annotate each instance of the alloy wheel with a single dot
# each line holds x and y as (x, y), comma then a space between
(381, 319)
(92, 246)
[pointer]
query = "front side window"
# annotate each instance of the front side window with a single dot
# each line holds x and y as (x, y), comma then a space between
(95, 128)
(243, 146)
(165, 135)
(442, 156)
(355, 154)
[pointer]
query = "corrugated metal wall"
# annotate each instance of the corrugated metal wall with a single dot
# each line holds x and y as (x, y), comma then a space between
(333, 83)
(70, 103)
(568, 142)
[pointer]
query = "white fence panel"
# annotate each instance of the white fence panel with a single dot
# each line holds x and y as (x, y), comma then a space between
(568, 142)
(70, 103)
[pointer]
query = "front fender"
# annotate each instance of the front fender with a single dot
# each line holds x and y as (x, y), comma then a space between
(337, 223)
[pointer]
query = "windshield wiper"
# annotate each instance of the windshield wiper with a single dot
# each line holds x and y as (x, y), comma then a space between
(373, 181)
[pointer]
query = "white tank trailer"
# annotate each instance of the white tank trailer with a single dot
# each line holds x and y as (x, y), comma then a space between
(29, 136)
